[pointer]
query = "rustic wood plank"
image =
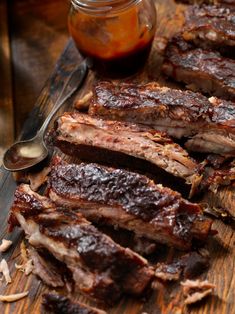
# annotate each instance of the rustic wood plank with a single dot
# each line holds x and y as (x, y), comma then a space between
(21, 283)
(6, 103)
(38, 31)
(166, 299)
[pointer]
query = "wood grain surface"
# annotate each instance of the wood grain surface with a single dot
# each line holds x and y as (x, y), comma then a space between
(6, 102)
(38, 32)
(32, 36)
(167, 299)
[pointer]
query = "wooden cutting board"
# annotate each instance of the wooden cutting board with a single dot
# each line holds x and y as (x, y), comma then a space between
(166, 299)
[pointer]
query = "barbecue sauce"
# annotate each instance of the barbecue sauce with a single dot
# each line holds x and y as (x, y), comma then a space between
(120, 65)
(115, 44)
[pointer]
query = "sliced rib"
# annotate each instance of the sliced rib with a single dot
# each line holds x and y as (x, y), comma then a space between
(100, 268)
(224, 2)
(204, 70)
(210, 122)
(211, 27)
(93, 139)
(128, 200)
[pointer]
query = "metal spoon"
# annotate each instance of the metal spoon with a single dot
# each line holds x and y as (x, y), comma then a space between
(25, 154)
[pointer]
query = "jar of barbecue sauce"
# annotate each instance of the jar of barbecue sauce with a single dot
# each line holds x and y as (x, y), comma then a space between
(114, 35)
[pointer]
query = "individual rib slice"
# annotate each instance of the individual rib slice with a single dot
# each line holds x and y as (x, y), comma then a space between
(179, 113)
(100, 268)
(82, 135)
(58, 304)
(128, 200)
(211, 27)
(204, 70)
(224, 2)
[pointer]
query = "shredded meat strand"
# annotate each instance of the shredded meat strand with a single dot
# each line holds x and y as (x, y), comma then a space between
(5, 271)
(196, 290)
(5, 245)
(13, 297)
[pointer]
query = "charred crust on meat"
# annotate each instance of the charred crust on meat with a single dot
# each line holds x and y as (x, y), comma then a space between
(78, 131)
(133, 193)
(54, 303)
(110, 99)
(185, 63)
(207, 123)
(211, 27)
(110, 269)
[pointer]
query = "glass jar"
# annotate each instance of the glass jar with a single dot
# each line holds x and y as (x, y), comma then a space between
(115, 35)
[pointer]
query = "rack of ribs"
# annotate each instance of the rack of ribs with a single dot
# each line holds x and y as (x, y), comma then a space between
(93, 139)
(211, 27)
(100, 268)
(200, 69)
(209, 123)
(128, 200)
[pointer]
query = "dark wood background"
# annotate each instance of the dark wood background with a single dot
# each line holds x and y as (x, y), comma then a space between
(33, 34)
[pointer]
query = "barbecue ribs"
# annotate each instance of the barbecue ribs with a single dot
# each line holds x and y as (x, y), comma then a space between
(92, 139)
(201, 69)
(100, 268)
(211, 27)
(128, 200)
(209, 123)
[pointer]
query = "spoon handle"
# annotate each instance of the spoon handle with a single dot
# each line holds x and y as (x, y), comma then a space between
(73, 83)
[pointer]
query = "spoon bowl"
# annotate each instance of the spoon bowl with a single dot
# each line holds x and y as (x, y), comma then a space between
(25, 154)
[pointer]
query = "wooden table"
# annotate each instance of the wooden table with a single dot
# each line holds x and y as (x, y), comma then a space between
(32, 36)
